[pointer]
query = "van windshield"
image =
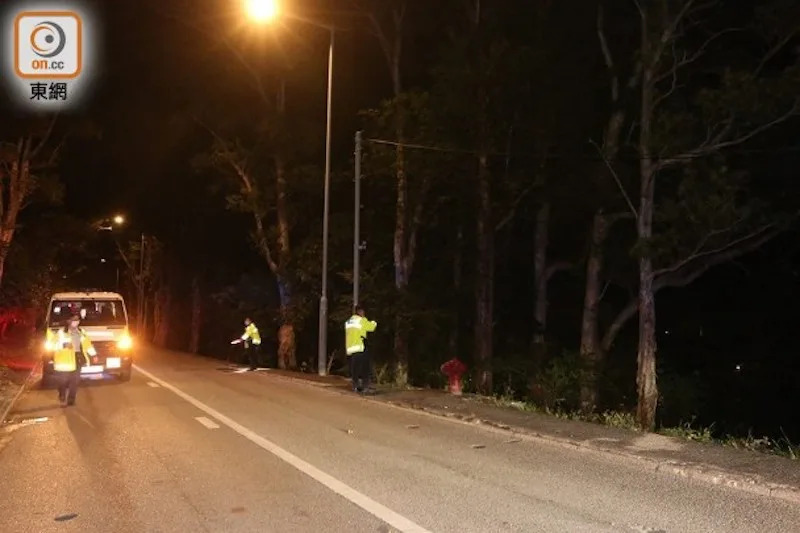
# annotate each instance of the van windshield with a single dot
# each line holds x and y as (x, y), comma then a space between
(92, 312)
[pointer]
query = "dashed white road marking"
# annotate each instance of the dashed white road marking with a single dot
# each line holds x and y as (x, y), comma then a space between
(397, 521)
(206, 422)
(154, 385)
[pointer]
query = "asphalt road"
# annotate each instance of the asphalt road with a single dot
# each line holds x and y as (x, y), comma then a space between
(190, 447)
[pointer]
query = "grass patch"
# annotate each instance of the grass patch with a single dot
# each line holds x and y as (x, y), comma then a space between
(783, 446)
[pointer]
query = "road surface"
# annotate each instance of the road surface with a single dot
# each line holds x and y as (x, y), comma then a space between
(187, 446)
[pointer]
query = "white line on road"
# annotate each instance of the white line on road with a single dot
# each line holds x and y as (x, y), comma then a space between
(382, 512)
(151, 384)
(206, 422)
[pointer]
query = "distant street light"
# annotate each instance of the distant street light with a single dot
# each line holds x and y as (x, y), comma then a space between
(119, 220)
(267, 11)
(262, 10)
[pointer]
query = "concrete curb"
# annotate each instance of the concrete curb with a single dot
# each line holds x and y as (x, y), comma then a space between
(22, 388)
(694, 471)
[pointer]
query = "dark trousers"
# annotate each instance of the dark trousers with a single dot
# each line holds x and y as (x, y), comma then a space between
(351, 361)
(360, 370)
(252, 352)
(69, 381)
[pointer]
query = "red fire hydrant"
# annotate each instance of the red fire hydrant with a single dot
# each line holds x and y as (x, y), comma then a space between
(454, 369)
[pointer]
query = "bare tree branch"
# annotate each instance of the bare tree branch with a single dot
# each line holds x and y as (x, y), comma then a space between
(609, 59)
(514, 207)
(616, 179)
(719, 142)
(772, 52)
(689, 59)
(45, 138)
(698, 254)
(692, 270)
(673, 72)
(240, 170)
(669, 32)
(622, 318)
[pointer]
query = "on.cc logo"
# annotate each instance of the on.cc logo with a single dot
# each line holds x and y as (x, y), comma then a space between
(48, 45)
(48, 39)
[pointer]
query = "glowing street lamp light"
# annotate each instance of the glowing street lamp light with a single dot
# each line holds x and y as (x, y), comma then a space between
(262, 10)
(119, 220)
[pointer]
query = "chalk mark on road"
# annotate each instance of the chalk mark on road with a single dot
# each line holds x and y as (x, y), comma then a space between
(399, 522)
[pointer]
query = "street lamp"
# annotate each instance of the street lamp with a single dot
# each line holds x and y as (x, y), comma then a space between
(262, 10)
(267, 11)
(108, 225)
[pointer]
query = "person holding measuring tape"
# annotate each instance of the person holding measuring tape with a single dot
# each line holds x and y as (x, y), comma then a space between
(252, 343)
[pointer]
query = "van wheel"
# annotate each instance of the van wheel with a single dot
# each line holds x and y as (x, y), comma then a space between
(125, 375)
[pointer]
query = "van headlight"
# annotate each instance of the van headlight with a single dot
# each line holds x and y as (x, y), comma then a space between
(125, 343)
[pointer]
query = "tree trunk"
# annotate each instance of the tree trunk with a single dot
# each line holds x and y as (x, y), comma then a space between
(400, 264)
(161, 313)
(592, 353)
(541, 242)
(197, 316)
(401, 249)
(646, 371)
(484, 289)
(287, 349)
(6, 236)
(457, 274)
(145, 318)
(287, 352)
(12, 197)
(391, 41)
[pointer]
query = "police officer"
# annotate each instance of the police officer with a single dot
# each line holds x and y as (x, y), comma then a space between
(356, 330)
(72, 341)
(252, 342)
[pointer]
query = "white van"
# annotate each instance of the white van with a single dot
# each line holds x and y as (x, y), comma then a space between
(104, 318)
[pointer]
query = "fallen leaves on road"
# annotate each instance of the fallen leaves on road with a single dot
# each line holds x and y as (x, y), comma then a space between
(478, 446)
(412, 426)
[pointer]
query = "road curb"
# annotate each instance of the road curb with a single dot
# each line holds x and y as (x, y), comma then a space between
(695, 471)
(25, 384)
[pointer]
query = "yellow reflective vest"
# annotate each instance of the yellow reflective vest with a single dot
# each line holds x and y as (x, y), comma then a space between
(355, 330)
(251, 332)
(64, 359)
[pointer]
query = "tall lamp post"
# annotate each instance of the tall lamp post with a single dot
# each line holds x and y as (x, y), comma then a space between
(266, 11)
(119, 220)
(108, 225)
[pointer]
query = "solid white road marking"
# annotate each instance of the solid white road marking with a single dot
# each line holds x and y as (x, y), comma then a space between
(151, 384)
(382, 512)
(206, 422)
